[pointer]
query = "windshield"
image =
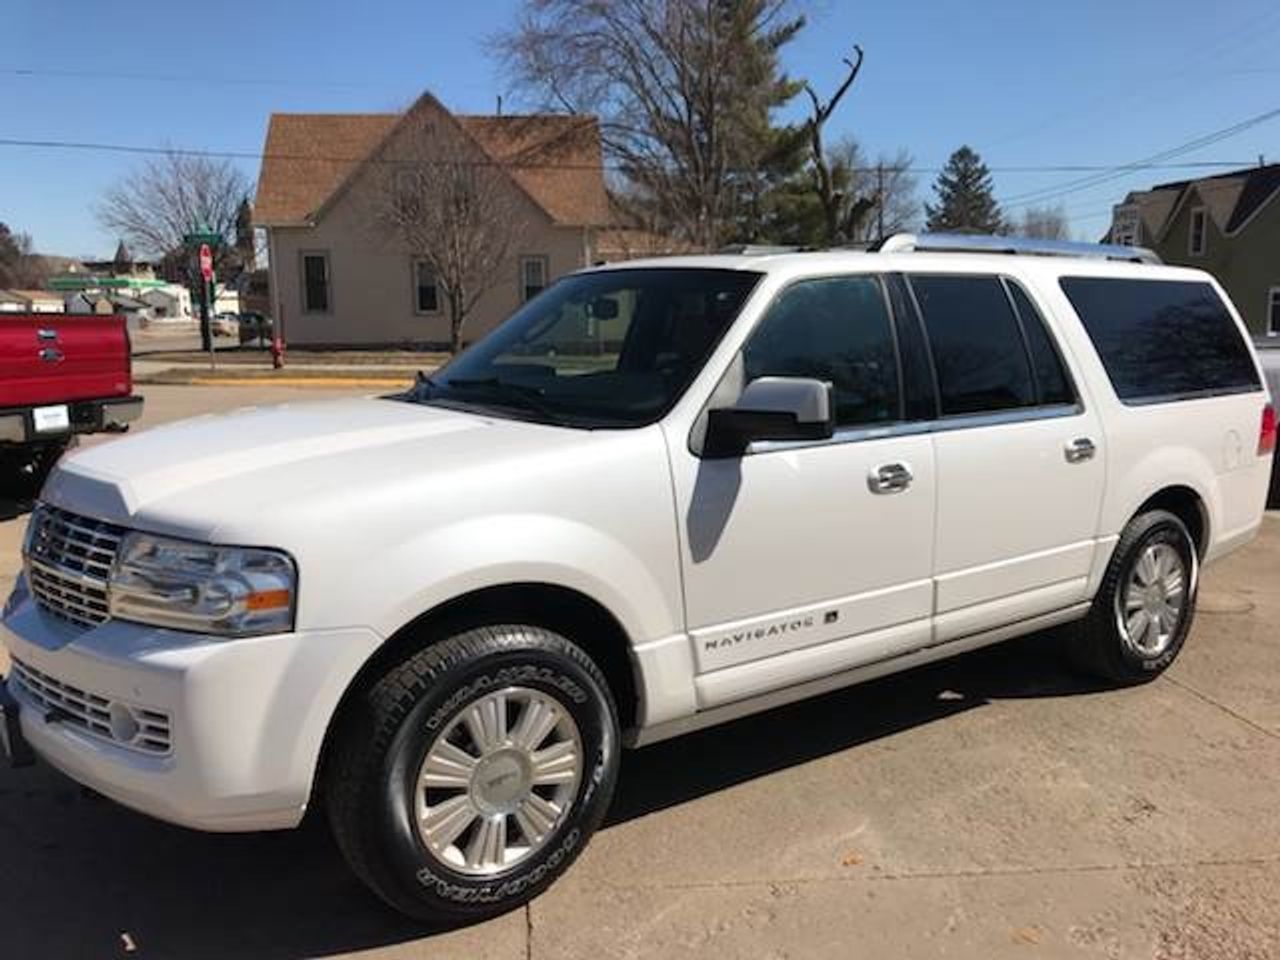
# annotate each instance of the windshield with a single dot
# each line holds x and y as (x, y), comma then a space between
(613, 348)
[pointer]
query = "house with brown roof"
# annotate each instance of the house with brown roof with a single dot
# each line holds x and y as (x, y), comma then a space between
(1227, 224)
(338, 276)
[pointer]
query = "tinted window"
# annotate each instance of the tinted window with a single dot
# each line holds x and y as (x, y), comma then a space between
(315, 283)
(1161, 339)
(1051, 376)
(977, 346)
(919, 399)
(838, 330)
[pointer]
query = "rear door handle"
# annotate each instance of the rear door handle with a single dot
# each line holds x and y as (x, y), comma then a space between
(1080, 450)
(890, 478)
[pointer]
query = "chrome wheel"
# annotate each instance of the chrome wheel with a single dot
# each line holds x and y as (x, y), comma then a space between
(499, 780)
(1151, 605)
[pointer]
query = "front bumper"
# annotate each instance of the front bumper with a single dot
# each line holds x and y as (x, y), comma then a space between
(86, 416)
(247, 718)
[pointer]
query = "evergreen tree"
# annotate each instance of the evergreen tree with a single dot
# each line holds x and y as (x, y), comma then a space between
(966, 203)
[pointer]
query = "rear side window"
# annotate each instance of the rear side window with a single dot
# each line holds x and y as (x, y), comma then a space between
(836, 329)
(1162, 339)
(1051, 376)
(978, 348)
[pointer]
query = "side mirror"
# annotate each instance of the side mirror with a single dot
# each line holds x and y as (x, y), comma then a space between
(771, 408)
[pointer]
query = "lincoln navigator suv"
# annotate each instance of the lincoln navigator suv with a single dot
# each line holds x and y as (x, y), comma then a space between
(664, 494)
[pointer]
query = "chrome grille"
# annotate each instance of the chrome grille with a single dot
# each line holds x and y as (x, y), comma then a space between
(69, 560)
(119, 723)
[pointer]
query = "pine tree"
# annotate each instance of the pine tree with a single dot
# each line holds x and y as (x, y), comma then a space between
(966, 202)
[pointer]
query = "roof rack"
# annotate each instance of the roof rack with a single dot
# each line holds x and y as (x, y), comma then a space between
(977, 243)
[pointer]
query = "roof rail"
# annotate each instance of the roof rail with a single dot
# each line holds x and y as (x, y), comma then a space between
(978, 243)
(759, 249)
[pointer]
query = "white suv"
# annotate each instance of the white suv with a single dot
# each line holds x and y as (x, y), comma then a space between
(664, 494)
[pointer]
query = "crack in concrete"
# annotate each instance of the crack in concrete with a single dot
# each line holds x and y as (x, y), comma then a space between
(1252, 724)
(964, 874)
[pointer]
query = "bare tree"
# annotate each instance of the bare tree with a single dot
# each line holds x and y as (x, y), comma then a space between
(1045, 223)
(157, 204)
(444, 201)
(20, 266)
(833, 204)
(683, 89)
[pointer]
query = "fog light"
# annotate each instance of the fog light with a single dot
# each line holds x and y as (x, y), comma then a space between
(124, 725)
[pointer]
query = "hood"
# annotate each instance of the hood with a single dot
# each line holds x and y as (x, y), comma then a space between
(216, 476)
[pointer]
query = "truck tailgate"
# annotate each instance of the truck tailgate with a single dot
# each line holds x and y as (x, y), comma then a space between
(55, 358)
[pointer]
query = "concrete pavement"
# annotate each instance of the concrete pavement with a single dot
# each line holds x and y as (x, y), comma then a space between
(992, 806)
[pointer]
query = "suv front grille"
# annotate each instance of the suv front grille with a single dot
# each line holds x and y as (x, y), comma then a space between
(123, 724)
(69, 561)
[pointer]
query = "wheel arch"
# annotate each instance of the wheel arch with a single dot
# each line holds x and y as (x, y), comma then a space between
(1187, 505)
(565, 610)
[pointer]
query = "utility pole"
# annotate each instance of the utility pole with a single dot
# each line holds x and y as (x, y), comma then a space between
(880, 200)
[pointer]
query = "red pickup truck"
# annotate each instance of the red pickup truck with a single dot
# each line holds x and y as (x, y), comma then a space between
(60, 375)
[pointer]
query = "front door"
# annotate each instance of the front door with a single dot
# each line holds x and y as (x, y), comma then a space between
(803, 559)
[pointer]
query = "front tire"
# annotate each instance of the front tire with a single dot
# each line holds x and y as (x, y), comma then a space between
(1144, 607)
(470, 775)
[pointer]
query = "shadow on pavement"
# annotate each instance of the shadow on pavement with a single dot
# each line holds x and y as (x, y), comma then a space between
(677, 771)
(82, 877)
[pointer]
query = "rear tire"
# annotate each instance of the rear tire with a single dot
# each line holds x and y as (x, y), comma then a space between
(469, 776)
(1143, 610)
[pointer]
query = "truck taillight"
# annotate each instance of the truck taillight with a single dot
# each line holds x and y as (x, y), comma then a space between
(1267, 436)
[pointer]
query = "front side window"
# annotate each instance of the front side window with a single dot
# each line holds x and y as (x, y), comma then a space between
(609, 348)
(426, 294)
(836, 329)
(1197, 240)
(978, 348)
(315, 283)
(533, 277)
(1273, 312)
(1162, 339)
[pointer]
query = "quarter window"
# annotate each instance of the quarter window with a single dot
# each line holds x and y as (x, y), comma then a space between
(533, 276)
(315, 282)
(426, 294)
(1162, 339)
(1273, 312)
(978, 349)
(838, 330)
(1197, 239)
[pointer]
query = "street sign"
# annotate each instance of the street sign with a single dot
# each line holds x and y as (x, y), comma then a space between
(206, 262)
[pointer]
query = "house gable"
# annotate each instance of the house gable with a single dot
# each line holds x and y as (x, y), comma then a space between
(311, 159)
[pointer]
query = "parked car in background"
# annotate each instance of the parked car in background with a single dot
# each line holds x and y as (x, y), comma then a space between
(255, 328)
(60, 375)
(225, 325)
(440, 616)
(1269, 355)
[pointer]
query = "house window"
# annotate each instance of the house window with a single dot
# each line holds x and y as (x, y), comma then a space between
(1198, 236)
(533, 276)
(426, 294)
(1273, 312)
(315, 283)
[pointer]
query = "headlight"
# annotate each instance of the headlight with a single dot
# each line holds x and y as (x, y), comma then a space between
(230, 591)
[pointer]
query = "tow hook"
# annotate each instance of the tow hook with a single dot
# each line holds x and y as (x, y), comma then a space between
(12, 743)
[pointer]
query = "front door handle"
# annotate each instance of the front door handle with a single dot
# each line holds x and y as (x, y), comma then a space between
(1080, 450)
(890, 478)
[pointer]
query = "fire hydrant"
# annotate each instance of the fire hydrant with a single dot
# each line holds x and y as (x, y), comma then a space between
(277, 353)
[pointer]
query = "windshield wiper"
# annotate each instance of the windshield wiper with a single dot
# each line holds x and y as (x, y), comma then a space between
(525, 395)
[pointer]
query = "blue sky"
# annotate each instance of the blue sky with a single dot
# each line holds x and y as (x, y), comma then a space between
(1025, 83)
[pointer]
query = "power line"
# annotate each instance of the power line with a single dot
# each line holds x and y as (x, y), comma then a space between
(147, 150)
(1116, 172)
(197, 80)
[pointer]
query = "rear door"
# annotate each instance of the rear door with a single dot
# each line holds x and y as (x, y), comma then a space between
(56, 358)
(1020, 458)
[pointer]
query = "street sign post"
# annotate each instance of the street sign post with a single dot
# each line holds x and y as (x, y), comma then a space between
(203, 241)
